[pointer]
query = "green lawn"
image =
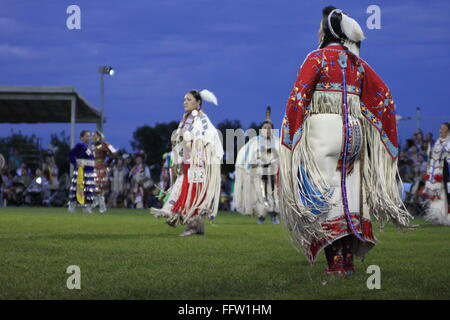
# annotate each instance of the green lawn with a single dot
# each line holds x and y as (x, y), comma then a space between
(128, 254)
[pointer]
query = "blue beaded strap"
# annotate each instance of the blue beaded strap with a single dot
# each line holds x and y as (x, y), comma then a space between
(343, 63)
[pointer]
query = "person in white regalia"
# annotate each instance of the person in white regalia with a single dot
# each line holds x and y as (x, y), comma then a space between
(437, 183)
(257, 186)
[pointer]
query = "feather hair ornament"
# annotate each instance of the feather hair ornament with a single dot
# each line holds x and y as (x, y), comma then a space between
(351, 28)
(209, 96)
(100, 134)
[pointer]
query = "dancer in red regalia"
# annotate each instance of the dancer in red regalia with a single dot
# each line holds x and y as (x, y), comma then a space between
(198, 149)
(339, 150)
(103, 153)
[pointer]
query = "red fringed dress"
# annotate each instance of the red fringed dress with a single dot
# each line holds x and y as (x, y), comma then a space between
(198, 150)
(338, 153)
(102, 150)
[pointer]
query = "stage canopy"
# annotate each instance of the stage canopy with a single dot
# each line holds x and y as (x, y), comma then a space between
(26, 104)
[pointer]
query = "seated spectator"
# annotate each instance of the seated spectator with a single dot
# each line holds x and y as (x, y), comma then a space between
(15, 160)
(153, 200)
(20, 185)
(418, 139)
(6, 186)
(413, 155)
(51, 171)
(406, 171)
(422, 167)
(23, 170)
(38, 191)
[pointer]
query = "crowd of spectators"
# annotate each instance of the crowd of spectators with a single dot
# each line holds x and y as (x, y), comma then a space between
(412, 165)
(41, 183)
(23, 183)
(131, 181)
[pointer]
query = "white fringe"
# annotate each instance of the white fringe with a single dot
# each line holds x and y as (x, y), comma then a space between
(436, 216)
(379, 176)
(205, 154)
(238, 198)
(331, 102)
(380, 170)
(207, 200)
(302, 225)
(174, 193)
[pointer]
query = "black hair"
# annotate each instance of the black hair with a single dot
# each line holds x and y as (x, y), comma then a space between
(197, 96)
(267, 121)
(409, 143)
(335, 20)
(83, 132)
(447, 124)
(99, 134)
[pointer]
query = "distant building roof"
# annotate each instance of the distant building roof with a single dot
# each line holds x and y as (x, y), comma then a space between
(28, 104)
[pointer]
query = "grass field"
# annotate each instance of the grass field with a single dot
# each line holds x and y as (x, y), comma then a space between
(128, 254)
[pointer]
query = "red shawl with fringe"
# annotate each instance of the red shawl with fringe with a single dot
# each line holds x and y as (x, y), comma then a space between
(321, 72)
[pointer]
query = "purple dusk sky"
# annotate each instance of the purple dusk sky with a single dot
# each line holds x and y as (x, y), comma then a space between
(247, 52)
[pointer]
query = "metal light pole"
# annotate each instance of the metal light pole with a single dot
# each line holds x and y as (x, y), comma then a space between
(417, 119)
(102, 71)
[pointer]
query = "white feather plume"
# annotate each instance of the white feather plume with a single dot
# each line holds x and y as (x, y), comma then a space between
(351, 28)
(209, 96)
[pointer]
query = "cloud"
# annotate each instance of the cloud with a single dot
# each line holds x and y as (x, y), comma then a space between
(10, 27)
(246, 51)
(10, 51)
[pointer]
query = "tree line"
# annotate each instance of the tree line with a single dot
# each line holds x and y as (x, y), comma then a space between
(154, 141)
